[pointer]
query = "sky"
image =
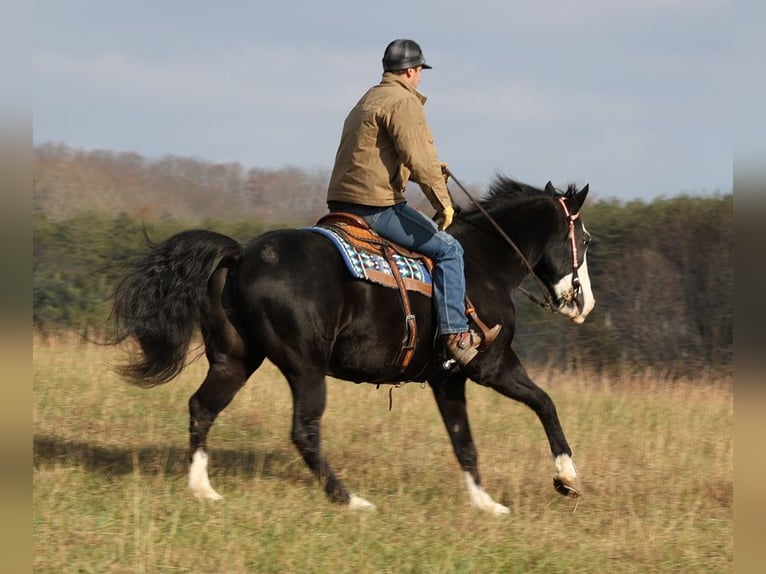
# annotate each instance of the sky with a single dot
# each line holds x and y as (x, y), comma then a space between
(632, 96)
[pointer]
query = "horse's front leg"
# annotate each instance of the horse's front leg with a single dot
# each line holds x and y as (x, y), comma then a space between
(514, 382)
(450, 398)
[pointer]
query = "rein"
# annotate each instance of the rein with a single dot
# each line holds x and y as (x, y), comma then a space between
(544, 302)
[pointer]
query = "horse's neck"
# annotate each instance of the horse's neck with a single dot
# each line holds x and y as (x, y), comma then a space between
(525, 230)
(530, 229)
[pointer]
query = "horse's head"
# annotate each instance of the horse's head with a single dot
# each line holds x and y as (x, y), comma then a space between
(563, 267)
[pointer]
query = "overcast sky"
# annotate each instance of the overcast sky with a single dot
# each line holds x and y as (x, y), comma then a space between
(631, 96)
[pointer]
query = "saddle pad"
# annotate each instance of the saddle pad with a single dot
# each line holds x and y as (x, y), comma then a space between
(374, 267)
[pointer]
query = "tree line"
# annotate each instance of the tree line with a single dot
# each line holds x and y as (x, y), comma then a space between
(662, 271)
(663, 277)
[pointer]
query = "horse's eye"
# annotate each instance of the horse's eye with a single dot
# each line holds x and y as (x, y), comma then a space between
(586, 239)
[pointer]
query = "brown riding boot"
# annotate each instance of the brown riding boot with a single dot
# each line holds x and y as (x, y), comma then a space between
(465, 346)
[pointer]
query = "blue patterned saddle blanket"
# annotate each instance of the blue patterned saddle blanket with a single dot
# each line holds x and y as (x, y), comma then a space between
(369, 263)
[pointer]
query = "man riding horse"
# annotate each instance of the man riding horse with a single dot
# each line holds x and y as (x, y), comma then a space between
(385, 142)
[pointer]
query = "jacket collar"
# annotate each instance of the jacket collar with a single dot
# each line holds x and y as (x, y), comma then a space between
(391, 78)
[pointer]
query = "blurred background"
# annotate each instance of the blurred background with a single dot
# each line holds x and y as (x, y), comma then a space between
(164, 116)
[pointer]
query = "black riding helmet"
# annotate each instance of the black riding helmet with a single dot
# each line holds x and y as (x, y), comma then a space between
(403, 54)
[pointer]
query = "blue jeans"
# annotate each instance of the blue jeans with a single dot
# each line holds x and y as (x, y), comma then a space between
(409, 228)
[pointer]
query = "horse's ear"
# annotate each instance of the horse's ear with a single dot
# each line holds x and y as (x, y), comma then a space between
(577, 200)
(550, 189)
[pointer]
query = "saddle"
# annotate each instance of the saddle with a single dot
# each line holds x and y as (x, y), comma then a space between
(409, 271)
(374, 258)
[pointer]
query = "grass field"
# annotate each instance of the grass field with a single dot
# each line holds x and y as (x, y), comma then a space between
(110, 460)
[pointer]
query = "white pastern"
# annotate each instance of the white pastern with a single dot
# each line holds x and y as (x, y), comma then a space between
(199, 483)
(359, 503)
(567, 474)
(481, 500)
(573, 311)
(565, 468)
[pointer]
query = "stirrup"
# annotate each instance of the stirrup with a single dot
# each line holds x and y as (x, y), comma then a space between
(490, 336)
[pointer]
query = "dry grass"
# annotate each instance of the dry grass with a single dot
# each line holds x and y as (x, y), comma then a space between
(110, 461)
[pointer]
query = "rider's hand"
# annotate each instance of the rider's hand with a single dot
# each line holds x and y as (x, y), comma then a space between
(444, 218)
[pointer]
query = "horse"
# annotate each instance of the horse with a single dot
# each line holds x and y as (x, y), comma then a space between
(286, 296)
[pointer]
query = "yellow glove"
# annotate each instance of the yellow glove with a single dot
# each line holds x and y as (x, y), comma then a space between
(445, 173)
(444, 219)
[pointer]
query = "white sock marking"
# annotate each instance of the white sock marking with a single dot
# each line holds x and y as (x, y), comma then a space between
(481, 500)
(565, 469)
(199, 483)
(359, 503)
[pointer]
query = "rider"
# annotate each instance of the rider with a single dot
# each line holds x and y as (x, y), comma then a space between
(385, 142)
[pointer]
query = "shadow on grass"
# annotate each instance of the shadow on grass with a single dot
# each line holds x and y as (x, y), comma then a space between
(166, 460)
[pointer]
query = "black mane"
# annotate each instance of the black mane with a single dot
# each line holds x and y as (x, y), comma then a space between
(504, 192)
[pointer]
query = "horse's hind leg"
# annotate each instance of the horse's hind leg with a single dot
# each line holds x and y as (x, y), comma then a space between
(224, 379)
(309, 401)
(450, 398)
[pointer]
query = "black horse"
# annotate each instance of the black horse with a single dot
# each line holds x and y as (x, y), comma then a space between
(286, 295)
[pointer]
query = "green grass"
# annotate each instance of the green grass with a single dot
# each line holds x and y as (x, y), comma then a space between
(110, 465)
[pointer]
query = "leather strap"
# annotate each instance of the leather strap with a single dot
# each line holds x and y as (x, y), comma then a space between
(470, 310)
(410, 323)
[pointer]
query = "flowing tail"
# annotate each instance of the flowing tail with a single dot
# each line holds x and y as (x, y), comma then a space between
(158, 302)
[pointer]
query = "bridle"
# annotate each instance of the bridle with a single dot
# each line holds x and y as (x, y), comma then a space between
(544, 301)
(574, 290)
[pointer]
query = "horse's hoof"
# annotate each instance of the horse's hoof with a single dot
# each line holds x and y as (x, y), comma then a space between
(566, 481)
(208, 494)
(567, 489)
(359, 503)
(498, 509)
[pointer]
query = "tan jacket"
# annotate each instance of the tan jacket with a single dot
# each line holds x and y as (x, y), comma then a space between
(385, 143)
